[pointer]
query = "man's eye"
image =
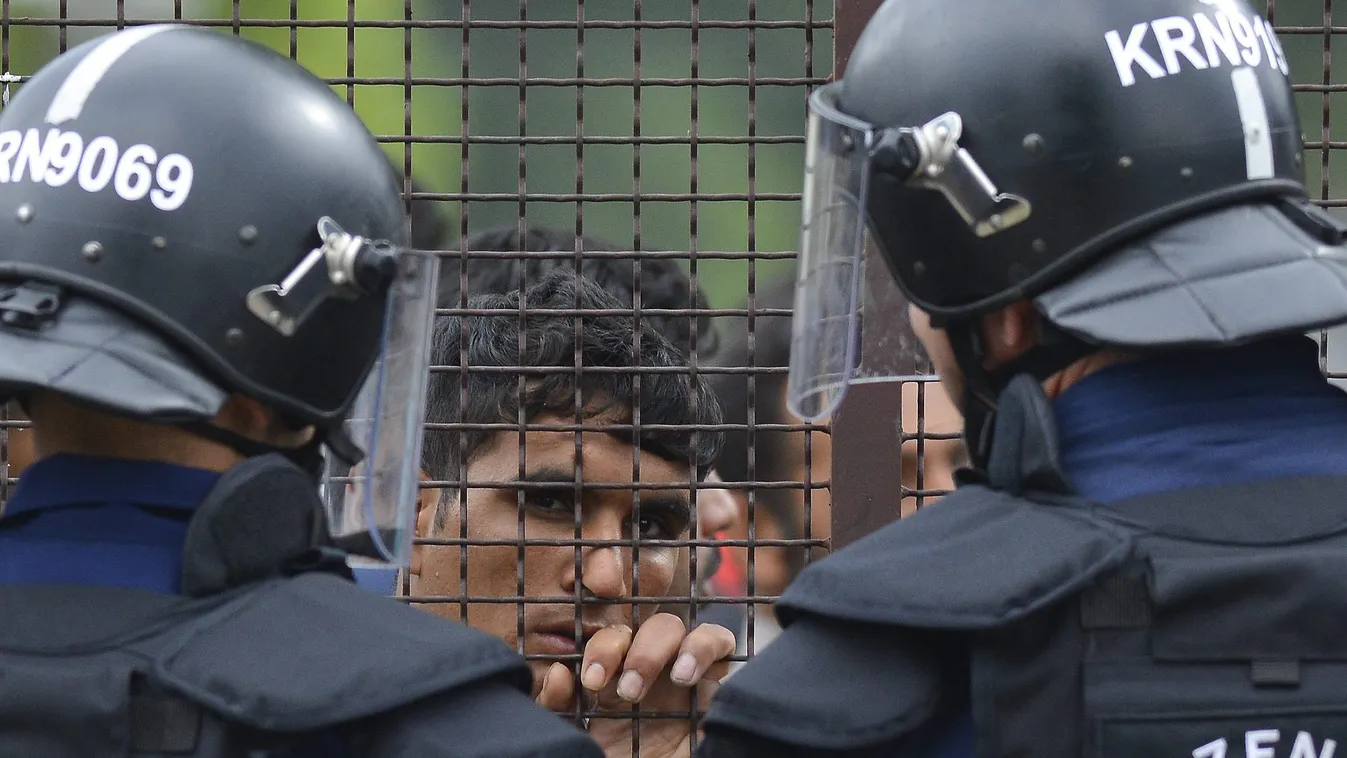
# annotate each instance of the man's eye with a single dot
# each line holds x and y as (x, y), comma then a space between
(549, 503)
(657, 528)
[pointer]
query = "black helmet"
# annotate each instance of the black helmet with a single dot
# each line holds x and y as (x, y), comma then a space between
(166, 193)
(1133, 167)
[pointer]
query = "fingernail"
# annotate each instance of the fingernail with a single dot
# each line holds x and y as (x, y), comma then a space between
(629, 686)
(684, 669)
(593, 677)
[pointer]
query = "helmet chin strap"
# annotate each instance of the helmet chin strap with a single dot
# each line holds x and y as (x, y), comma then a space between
(982, 387)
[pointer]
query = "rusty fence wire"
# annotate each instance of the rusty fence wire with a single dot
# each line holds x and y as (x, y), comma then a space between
(655, 147)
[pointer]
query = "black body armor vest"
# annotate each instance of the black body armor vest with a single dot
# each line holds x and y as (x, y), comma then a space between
(265, 653)
(1209, 622)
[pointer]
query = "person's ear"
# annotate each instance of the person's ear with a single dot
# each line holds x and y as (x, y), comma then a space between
(427, 502)
(245, 417)
(1009, 333)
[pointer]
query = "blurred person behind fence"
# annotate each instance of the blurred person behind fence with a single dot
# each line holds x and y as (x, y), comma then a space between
(780, 456)
(547, 485)
(203, 260)
(664, 286)
(1104, 233)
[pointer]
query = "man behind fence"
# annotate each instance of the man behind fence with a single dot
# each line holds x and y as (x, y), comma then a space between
(1102, 226)
(202, 261)
(620, 481)
(663, 286)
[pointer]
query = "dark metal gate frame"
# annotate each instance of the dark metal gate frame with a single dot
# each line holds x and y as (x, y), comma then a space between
(864, 496)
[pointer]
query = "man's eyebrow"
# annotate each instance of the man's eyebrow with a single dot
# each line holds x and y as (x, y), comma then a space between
(673, 505)
(549, 475)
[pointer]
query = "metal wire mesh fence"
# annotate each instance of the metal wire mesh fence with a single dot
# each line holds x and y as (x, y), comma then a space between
(656, 147)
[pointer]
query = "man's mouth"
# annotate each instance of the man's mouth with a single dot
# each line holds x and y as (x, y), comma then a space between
(560, 638)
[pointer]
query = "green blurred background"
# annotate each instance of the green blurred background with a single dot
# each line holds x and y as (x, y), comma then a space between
(769, 110)
(550, 111)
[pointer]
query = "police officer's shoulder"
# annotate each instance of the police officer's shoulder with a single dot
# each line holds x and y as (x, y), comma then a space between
(868, 685)
(874, 627)
(491, 720)
(301, 653)
(976, 559)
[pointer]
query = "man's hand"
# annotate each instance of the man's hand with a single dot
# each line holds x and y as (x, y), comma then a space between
(659, 666)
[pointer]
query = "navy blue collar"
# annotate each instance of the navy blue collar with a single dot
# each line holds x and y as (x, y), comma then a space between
(1202, 417)
(67, 480)
(1193, 386)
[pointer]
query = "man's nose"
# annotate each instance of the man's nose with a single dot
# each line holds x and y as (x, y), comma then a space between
(603, 571)
(606, 571)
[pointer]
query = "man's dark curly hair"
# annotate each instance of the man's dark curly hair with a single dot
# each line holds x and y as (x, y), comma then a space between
(669, 398)
(664, 284)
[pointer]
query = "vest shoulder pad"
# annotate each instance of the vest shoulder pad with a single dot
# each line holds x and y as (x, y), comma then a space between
(312, 651)
(867, 685)
(976, 559)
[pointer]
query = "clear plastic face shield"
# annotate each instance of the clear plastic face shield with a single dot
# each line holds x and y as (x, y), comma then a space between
(846, 301)
(371, 506)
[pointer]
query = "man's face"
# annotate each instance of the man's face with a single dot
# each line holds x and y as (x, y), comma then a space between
(940, 351)
(717, 511)
(773, 567)
(549, 513)
(811, 460)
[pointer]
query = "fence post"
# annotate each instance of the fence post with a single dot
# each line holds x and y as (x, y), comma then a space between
(866, 477)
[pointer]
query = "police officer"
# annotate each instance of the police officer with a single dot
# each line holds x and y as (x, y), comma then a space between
(1100, 222)
(201, 265)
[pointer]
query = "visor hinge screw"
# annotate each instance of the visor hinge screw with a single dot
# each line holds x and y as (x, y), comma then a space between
(234, 337)
(248, 234)
(1186, 174)
(92, 252)
(1033, 144)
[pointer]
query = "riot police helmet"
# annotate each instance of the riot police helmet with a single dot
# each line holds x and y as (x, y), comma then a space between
(1134, 169)
(189, 215)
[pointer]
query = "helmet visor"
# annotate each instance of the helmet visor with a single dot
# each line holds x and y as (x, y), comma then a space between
(839, 286)
(371, 506)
